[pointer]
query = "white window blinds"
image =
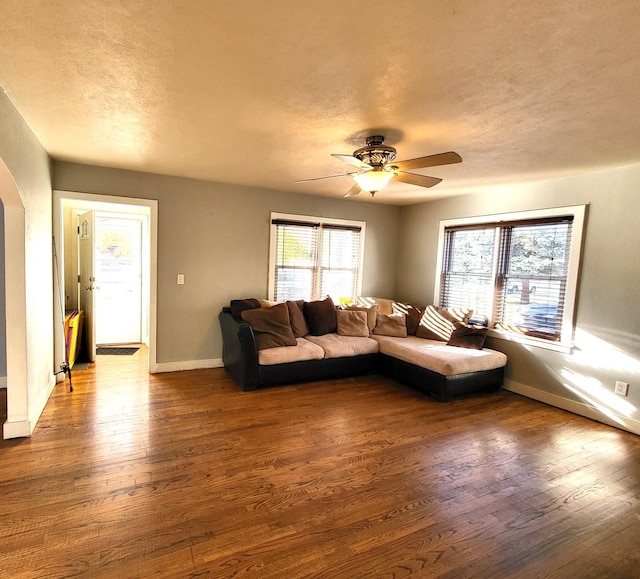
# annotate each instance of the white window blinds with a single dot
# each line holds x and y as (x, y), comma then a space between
(296, 256)
(516, 274)
(314, 259)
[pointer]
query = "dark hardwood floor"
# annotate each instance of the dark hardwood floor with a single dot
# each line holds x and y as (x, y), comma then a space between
(183, 475)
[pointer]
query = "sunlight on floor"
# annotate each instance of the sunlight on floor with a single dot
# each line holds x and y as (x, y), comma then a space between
(122, 411)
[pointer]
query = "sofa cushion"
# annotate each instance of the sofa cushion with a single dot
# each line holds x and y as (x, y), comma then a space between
(303, 350)
(371, 312)
(391, 325)
(321, 316)
(270, 326)
(352, 323)
(413, 315)
(438, 323)
(239, 306)
(464, 336)
(438, 357)
(298, 322)
(385, 305)
(336, 346)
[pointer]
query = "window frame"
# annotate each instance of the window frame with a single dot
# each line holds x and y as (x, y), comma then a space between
(578, 213)
(330, 221)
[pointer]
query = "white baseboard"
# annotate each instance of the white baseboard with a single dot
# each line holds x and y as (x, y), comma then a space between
(19, 429)
(186, 365)
(22, 428)
(580, 408)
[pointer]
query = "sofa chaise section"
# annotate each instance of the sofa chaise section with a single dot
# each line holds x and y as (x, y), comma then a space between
(440, 370)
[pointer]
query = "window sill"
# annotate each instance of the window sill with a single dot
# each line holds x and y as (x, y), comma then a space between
(562, 347)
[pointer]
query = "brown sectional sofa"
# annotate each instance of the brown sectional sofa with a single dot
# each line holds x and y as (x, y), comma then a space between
(430, 365)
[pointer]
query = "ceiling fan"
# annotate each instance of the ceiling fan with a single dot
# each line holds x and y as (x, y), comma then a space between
(376, 167)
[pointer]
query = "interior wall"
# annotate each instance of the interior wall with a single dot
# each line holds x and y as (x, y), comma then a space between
(3, 318)
(217, 235)
(28, 271)
(607, 340)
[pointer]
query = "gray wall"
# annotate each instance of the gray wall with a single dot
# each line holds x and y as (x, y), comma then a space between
(608, 317)
(218, 236)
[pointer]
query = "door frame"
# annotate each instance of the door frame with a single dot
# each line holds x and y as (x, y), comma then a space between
(142, 221)
(110, 203)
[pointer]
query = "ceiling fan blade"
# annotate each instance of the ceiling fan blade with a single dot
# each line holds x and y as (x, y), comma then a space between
(352, 161)
(327, 177)
(420, 180)
(429, 161)
(355, 190)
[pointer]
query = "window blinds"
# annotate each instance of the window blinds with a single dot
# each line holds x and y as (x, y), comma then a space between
(513, 274)
(315, 259)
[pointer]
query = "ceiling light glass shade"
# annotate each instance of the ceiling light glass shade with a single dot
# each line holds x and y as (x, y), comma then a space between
(373, 181)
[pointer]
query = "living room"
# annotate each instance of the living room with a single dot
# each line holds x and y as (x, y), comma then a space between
(210, 112)
(402, 227)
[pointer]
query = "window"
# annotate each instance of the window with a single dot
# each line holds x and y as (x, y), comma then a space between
(312, 258)
(518, 271)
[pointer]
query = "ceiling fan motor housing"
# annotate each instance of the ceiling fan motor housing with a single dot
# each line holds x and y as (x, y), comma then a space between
(375, 153)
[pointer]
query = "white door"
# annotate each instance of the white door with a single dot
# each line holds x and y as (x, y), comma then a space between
(86, 280)
(118, 274)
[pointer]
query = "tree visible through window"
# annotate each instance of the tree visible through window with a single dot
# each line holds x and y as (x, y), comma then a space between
(518, 275)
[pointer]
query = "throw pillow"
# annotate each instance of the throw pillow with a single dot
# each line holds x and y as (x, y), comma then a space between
(321, 316)
(352, 323)
(385, 305)
(438, 323)
(296, 317)
(394, 325)
(371, 312)
(412, 313)
(270, 326)
(239, 306)
(465, 336)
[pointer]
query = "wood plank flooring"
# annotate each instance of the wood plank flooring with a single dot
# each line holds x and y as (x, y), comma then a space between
(183, 475)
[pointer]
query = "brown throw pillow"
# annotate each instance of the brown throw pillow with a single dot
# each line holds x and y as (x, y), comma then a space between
(321, 316)
(239, 306)
(352, 323)
(371, 311)
(412, 313)
(471, 337)
(270, 326)
(438, 323)
(296, 317)
(393, 325)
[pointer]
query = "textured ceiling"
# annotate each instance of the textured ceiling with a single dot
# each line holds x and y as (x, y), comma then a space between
(261, 93)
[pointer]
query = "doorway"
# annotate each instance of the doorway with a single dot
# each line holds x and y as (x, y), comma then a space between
(120, 289)
(117, 267)
(110, 278)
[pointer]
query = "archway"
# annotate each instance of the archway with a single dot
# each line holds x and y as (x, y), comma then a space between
(13, 279)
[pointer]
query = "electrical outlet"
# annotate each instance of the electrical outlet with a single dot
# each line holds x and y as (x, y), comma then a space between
(622, 388)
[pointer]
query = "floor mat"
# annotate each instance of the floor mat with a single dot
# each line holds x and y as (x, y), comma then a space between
(116, 351)
(80, 366)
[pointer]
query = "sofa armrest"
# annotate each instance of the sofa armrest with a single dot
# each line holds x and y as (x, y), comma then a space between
(239, 352)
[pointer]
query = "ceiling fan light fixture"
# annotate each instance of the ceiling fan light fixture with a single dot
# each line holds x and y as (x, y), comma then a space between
(374, 180)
